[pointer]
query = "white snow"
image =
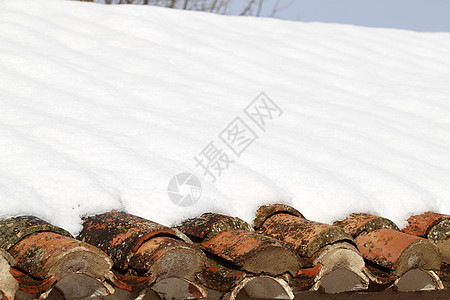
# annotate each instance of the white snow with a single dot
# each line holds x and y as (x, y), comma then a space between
(100, 106)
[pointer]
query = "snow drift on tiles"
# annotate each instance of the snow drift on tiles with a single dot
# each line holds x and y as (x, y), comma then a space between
(100, 106)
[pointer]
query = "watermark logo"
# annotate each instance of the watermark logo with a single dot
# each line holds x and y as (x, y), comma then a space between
(237, 137)
(184, 189)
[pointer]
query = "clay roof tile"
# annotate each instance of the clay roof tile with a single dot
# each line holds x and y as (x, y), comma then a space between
(47, 257)
(146, 254)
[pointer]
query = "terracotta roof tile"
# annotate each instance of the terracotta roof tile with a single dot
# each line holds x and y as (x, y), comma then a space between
(398, 251)
(231, 243)
(421, 225)
(266, 211)
(262, 287)
(208, 225)
(47, 257)
(251, 286)
(12, 230)
(307, 278)
(120, 234)
(227, 283)
(435, 227)
(253, 253)
(235, 241)
(305, 236)
(219, 256)
(218, 277)
(323, 249)
(146, 254)
(356, 224)
(8, 284)
(342, 269)
(393, 255)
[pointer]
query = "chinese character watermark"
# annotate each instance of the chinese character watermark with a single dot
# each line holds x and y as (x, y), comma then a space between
(213, 160)
(216, 161)
(262, 109)
(238, 136)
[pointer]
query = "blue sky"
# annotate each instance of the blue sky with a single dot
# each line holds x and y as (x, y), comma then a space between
(418, 15)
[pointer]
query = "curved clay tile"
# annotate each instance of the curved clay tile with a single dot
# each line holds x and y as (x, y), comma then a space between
(334, 268)
(399, 253)
(253, 253)
(12, 230)
(208, 225)
(421, 225)
(146, 254)
(266, 211)
(227, 283)
(235, 241)
(235, 250)
(418, 280)
(356, 224)
(261, 287)
(323, 249)
(8, 284)
(341, 269)
(435, 227)
(120, 234)
(220, 278)
(395, 253)
(49, 261)
(305, 236)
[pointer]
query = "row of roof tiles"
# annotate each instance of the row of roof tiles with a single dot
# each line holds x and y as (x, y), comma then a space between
(122, 256)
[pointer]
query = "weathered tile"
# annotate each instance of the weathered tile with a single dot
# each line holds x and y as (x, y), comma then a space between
(147, 254)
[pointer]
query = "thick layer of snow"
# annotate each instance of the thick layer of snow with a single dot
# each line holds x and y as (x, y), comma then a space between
(100, 106)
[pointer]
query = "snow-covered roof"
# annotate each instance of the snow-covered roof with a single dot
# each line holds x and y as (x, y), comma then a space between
(161, 116)
(281, 255)
(101, 106)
